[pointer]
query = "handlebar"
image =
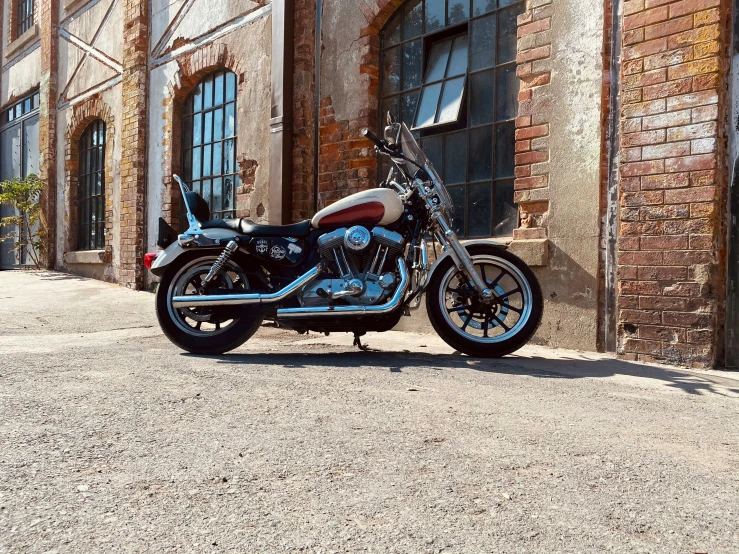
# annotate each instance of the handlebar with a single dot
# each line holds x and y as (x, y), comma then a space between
(366, 133)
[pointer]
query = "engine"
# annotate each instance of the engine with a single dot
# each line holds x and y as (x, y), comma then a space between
(362, 263)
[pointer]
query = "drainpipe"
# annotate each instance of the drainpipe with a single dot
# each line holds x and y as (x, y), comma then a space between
(317, 101)
(281, 117)
(614, 135)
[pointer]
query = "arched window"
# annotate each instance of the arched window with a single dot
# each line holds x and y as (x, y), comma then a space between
(209, 142)
(91, 192)
(459, 58)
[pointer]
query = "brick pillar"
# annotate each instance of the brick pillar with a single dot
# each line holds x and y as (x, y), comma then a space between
(671, 248)
(532, 125)
(49, 23)
(133, 162)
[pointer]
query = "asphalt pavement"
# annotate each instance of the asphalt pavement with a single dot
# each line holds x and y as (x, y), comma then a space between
(113, 440)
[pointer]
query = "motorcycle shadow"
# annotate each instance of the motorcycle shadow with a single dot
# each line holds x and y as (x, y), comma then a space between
(563, 367)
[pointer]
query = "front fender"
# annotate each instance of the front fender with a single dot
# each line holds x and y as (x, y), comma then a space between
(466, 245)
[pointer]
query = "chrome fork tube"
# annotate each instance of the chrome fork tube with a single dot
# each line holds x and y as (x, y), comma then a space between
(460, 256)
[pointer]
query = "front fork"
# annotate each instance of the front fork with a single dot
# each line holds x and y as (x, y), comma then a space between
(450, 243)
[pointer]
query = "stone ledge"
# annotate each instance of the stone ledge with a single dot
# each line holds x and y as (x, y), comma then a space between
(534, 252)
(27, 37)
(86, 257)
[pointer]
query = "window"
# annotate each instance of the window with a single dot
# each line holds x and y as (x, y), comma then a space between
(19, 130)
(448, 71)
(209, 143)
(24, 16)
(91, 191)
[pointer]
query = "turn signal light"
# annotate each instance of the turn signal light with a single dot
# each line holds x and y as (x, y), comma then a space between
(149, 259)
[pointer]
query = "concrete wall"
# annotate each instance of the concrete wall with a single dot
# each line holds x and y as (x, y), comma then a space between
(21, 73)
(570, 281)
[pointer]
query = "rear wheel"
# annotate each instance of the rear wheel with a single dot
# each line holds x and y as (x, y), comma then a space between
(204, 330)
(476, 328)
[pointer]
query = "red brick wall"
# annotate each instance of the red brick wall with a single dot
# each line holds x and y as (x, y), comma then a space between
(133, 161)
(532, 124)
(49, 17)
(673, 181)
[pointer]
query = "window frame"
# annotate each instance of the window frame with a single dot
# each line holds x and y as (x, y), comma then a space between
(91, 157)
(25, 12)
(189, 112)
(502, 67)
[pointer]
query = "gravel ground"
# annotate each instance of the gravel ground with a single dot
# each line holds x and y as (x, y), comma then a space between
(112, 440)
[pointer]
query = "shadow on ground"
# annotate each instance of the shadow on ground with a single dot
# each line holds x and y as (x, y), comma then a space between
(560, 368)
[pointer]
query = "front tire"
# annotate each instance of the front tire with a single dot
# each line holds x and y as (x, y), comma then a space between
(204, 331)
(485, 330)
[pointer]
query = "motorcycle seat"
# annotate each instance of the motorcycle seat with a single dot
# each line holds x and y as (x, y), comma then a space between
(248, 227)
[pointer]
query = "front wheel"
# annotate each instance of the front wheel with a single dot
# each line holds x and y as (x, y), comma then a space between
(204, 330)
(476, 328)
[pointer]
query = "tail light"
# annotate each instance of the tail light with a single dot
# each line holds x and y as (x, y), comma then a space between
(149, 259)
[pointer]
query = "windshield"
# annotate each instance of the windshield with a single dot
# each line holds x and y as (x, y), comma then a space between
(413, 152)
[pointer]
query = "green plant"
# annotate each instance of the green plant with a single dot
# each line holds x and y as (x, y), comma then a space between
(30, 235)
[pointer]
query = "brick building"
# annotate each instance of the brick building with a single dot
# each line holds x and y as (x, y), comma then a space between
(593, 136)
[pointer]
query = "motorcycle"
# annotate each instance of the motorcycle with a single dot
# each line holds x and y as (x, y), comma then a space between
(359, 265)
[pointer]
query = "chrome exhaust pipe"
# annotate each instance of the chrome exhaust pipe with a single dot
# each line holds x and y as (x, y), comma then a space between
(192, 301)
(330, 311)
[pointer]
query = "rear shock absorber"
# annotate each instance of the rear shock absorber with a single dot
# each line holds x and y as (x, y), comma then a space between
(231, 247)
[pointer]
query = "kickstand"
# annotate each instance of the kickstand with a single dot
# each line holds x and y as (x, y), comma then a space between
(358, 343)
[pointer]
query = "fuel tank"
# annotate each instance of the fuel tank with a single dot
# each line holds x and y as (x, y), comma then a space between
(370, 207)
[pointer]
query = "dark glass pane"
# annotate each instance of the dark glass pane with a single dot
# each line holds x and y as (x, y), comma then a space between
(458, 58)
(217, 158)
(206, 194)
(480, 7)
(230, 87)
(412, 62)
(229, 156)
(451, 101)
(438, 59)
(196, 163)
(507, 20)
(187, 131)
(197, 98)
(506, 212)
(455, 158)
(459, 11)
(391, 71)
(207, 160)
(11, 114)
(435, 14)
(218, 125)
(36, 100)
(230, 122)
(505, 142)
(429, 102)
(27, 105)
(482, 104)
(228, 189)
(408, 107)
(391, 32)
(479, 210)
(432, 147)
(458, 195)
(413, 19)
(18, 111)
(208, 92)
(220, 81)
(187, 164)
(483, 43)
(197, 129)
(504, 3)
(481, 154)
(208, 128)
(506, 93)
(217, 204)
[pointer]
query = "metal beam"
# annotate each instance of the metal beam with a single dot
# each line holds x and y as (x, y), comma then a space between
(281, 117)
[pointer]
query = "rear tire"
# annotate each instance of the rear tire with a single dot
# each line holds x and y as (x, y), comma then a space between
(469, 326)
(174, 322)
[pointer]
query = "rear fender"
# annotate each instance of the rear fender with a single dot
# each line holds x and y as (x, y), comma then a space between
(466, 245)
(174, 250)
